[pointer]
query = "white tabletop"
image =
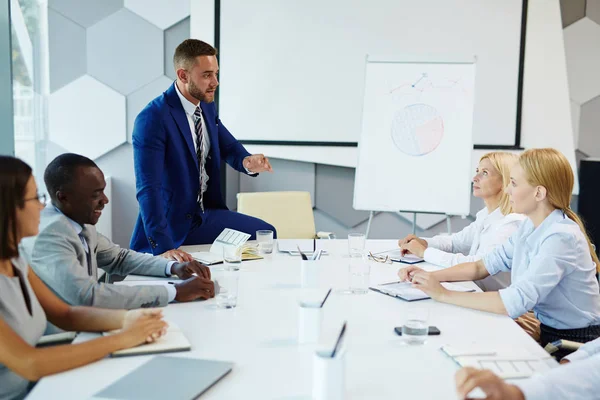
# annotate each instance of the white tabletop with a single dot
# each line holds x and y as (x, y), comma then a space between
(259, 337)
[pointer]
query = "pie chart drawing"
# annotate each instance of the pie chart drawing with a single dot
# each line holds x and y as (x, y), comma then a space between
(417, 129)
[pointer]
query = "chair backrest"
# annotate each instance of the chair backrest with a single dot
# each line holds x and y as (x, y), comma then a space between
(290, 213)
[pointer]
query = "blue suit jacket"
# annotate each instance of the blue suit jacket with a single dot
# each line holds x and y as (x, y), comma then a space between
(166, 171)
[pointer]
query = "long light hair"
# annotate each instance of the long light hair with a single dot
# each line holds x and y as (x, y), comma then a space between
(551, 169)
(502, 162)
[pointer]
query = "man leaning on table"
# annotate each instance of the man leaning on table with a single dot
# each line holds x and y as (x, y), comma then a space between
(68, 251)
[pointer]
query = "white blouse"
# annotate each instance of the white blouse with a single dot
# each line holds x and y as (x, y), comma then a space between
(479, 238)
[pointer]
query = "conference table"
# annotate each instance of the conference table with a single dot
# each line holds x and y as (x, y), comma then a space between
(260, 336)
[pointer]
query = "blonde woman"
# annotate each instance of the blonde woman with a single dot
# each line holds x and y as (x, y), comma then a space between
(492, 226)
(551, 259)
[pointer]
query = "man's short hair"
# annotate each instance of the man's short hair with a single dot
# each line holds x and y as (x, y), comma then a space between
(187, 51)
(60, 173)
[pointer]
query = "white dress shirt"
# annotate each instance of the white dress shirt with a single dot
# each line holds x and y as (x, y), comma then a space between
(552, 273)
(190, 109)
(172, 292)
(579, 379)
(488, 231)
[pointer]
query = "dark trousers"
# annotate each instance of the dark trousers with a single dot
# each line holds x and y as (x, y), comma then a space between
(209, 224)
(581, 335)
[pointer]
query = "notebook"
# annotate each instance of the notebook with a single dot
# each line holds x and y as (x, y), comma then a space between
(56, 339)
(396, 256)
(173, 341)
(405, 291)
(307, 246)
(231, 238)
(163, 378)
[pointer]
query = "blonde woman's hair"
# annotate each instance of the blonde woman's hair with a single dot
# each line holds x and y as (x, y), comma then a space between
(551, 169)
(502, 162)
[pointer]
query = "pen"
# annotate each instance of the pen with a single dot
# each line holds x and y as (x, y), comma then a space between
(325, 299)
(314, 245)
(302, 254)
(339, 340)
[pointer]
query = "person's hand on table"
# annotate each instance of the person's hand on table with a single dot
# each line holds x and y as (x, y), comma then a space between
(406, 274)
(415, 247)
(495, 388)
(427, 282)
(177, 255)
(412, 238)
(257, 163)
(185, 270)
(148, 321)
(195, 288)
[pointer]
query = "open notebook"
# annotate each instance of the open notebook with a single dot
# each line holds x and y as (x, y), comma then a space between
(173, 341)
(227, 238)
(405, 291)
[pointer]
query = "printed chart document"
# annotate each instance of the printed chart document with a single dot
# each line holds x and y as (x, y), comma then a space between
(405, 291)
(227, 238)
(173, 341)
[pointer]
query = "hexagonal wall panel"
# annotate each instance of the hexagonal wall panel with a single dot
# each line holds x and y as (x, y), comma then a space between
(162, 13)
(125, 51)
(575, 115)
(87, 117)
(571, 11)
(589, 128)
(593, 10)
(583, 59)
(86, 12)
(66, 50)
(173, 36)
(137, 100)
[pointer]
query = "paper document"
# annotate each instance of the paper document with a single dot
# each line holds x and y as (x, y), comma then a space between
(227, 238)
(508, 367)
(173, 341)
(307, 246)
(405, 291)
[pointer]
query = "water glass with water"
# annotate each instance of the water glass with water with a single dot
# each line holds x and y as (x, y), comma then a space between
(228, 280)
(360, 272)
(232, 257)
(416, 324)
(265, 241)
(356, 244)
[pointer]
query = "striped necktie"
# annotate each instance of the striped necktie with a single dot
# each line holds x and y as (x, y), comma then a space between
(201, 155)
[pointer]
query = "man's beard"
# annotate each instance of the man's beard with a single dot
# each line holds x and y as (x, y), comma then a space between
(198, 94)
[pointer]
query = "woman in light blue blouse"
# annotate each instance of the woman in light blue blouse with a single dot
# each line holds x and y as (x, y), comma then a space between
(551, 259)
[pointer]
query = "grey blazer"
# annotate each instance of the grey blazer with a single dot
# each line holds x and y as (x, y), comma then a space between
(58, 257)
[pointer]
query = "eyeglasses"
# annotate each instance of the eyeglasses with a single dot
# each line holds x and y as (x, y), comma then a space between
(380, 259)
(40, 197)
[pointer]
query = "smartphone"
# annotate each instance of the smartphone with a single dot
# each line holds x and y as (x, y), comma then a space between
(433, 330)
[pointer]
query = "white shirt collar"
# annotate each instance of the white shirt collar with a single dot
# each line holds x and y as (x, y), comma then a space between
(78, 228)
(188, 106)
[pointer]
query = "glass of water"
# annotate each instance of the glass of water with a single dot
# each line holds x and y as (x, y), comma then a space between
(232, 257)
(265, 241)
(416, 324)
(356, 244)
(360, 272)
(228, 280)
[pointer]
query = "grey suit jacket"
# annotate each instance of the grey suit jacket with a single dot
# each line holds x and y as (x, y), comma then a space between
(58, 257)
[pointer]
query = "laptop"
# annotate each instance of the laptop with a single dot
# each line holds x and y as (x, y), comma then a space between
(167, 378)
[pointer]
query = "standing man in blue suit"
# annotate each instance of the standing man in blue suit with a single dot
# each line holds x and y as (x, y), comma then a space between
(178, 145)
